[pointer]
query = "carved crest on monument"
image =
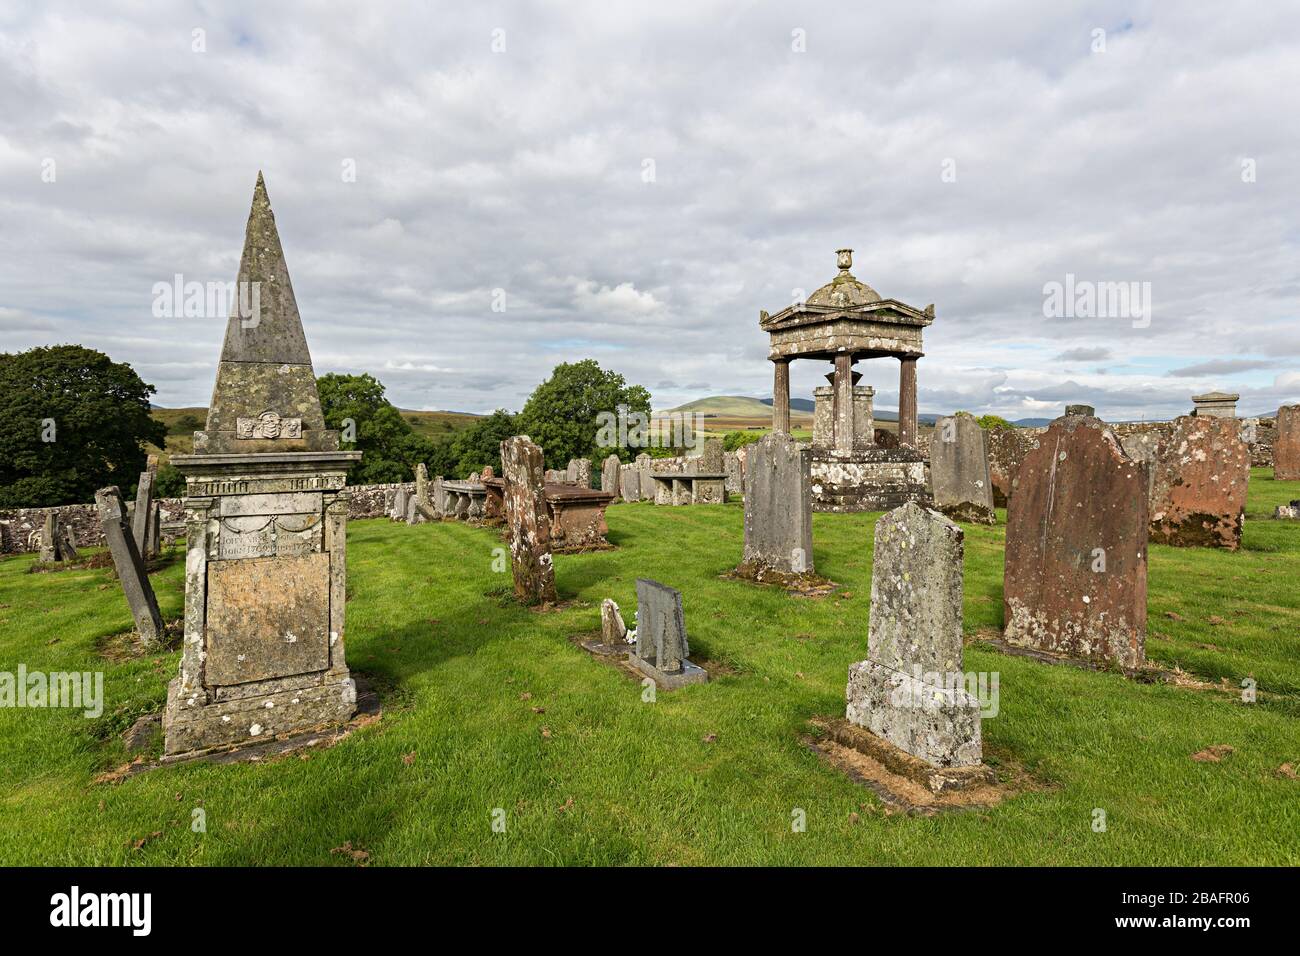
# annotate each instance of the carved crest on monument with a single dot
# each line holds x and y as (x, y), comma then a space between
(270, 425)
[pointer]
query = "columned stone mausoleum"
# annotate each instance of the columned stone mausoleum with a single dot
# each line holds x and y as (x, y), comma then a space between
(843, 322)
(266, 521)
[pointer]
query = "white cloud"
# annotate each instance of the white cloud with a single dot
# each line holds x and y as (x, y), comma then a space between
(522, 171)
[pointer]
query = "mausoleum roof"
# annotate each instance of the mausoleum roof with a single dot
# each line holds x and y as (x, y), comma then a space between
(844, 291)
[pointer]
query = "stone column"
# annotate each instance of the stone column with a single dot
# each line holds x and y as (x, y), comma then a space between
(907, 401)
(528, 524)
(843, 385)
(781, 396)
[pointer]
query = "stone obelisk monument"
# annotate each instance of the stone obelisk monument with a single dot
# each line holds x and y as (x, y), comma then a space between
(266, 520)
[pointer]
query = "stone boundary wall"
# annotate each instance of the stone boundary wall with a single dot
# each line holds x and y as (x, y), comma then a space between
(733, 463)
(20, 528)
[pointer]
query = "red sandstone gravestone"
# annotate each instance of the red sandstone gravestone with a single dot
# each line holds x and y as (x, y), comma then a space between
(1286, 450)
(1198, 484)
(1076, 553)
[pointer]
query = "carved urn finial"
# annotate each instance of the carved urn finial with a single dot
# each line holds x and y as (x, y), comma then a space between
(844, 259)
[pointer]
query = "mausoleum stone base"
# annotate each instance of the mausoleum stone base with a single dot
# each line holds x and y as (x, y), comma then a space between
(940, 725)
(194, 728)
(874, 479)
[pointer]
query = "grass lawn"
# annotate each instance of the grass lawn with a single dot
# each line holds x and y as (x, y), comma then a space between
(618, 781)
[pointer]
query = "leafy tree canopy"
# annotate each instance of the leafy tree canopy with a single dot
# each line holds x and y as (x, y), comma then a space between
(357, 406)
(71, 421)
(733, 440)
(563, 413)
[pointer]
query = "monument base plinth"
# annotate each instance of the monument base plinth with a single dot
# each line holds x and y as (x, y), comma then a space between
(689, 674)
(870, 479)
(195, 728)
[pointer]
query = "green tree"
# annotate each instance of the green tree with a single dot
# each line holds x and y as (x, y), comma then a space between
(562, 414)
(994, 421)
(478, 445)
(357, 406)
(71, 421)
(187, 425)
(733, 440)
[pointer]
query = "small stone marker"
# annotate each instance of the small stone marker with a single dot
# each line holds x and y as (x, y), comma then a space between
(400, 504)
(49, 551)
(609, 474)
(130, 566)
(527, 521)
(1286, 449)
(778, 507)
(613, 629)
(910, 690)
(1075, 581)
(1198, 483)
(661, 645)
(959, 469)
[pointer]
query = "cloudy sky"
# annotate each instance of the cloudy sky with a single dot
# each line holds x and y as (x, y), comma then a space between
(636, 181)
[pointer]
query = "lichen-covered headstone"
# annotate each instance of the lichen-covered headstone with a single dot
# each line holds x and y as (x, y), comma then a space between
(911, 690)
(662, 648)
(1198, 482)
(1075, 581)
(959, 469)
(527, 522)
(143, 514)
(50, 533)
(130, 567)
(645, 483)
(778, 507)
(266, 530)
(710, 462)
(400, 504)
(1286, 448)
(613, 629)
(609, 474)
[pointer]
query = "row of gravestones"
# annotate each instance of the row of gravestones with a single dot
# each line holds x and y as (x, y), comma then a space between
(1197, 474)
(1075, 582)
(145, 518)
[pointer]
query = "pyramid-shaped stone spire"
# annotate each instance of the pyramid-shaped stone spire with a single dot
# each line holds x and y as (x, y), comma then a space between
(265, 398)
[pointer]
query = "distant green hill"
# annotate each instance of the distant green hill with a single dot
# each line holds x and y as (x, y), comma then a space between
(730, 406)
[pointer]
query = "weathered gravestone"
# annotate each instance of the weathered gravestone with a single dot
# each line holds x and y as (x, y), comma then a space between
(629, 480)
(528, 524)
(1198, 483)
(1286, 449)
(579, 472)
(645, 484)
(52, 539)
(1075, 581)
(613, 629)
(710, 461)
(400, 504)
(266, 519)
(130, 566)
(609, 474)
(911, 688)
(959, 469)
(778, 507)
(143, 515)
(661, 645)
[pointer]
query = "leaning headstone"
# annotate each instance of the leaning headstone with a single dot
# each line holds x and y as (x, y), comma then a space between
(613, 630)
(1198, 484)
(1075, 581)
(629, 480)
(130, 566)
(910, 690)
(959, 469)
(1286, 448)
(609, 474)
(528, 524)
(266, 512)
(143, 513)
(68, 544)
(661, 645)
(778, 507)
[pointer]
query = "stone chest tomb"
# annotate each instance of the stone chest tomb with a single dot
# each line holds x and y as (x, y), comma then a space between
(266, 521)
